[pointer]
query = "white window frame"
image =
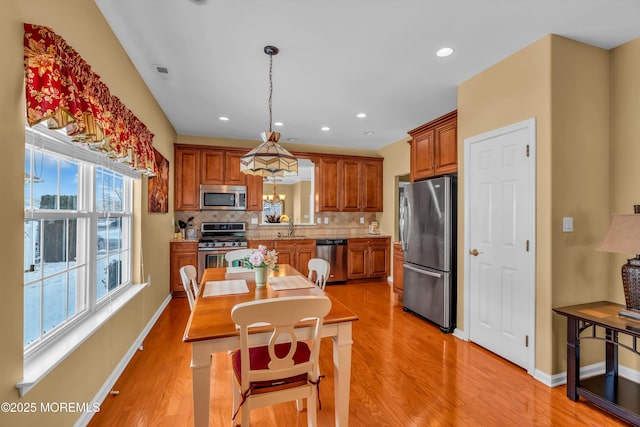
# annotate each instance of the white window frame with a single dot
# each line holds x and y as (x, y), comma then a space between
(48, 351)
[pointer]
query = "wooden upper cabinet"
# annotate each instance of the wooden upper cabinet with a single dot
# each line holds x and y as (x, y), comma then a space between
(254, 192)
(328, 184)
(446, 147)
(350, 200)
(434, 147)
(187, 178)
(221, 167)
(233, 176)
(422, 155)
(349, 184)
(212, 167)
(371, 191)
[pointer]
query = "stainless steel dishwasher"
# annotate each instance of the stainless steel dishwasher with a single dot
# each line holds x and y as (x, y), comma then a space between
(334, 251)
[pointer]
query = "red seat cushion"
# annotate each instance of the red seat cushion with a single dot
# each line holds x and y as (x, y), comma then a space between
(259, 359)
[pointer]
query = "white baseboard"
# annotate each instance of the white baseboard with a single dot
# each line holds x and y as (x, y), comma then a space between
(111, 380)
(460, 334)
(586, 372)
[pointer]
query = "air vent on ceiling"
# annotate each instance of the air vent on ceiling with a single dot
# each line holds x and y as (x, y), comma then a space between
(163, 71)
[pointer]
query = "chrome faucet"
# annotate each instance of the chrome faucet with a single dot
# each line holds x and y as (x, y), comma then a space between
(291, 227)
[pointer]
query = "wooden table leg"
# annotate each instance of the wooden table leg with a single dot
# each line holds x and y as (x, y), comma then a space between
(201, 374)
(573, 358)
(342, 371)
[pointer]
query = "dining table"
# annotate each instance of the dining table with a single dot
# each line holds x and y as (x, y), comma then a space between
(210, 328)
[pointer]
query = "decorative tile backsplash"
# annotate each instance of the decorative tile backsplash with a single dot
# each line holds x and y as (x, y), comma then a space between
(341, 224)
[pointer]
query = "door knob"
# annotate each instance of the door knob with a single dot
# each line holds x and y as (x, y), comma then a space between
(474, 252)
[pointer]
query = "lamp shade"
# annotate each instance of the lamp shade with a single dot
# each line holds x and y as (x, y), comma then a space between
(269, 159)
(623, 235)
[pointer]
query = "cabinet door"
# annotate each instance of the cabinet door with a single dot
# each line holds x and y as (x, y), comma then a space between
(254, 192)
(305, 250)
(379, 258)
(181, 254)
(398, 269)
(422, 154)
(186, 180)
(212, 167)
(357, 259)
(232, 174)
(286, 252)
(351, 196)
(328, 185)
(371, 190)
(253, 244)
(446, 147)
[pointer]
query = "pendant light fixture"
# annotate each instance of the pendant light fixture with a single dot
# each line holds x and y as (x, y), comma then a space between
(269, 158)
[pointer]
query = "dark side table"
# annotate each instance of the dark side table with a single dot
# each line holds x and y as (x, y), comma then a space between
(600, 321)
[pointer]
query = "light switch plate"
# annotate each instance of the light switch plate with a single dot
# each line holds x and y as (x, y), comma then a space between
(319, 220)
(326, 220)
(254, 220)
(361, 220)
(567, 224)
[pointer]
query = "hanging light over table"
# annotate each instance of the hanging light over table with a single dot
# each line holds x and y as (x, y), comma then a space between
(269, 158)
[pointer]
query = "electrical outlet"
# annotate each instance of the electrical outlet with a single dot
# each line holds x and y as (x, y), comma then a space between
(149, 280)
(319, 220)
(326, 220)
(361, 220)
(254, 220)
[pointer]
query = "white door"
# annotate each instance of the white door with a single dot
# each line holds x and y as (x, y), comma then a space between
(499, 242)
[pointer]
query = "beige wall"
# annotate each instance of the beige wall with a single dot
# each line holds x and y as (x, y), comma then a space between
(397, 162)
(80, 376)
(580, 186)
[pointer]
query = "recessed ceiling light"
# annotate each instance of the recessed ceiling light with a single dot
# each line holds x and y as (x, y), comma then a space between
(325, 128)
(223, 118)
(278, 124)
(445, 51)
(361, 115)
(292, 139)
(368, 133)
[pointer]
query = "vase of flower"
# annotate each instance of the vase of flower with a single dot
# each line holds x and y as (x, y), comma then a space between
(261, 261)
(261, 276)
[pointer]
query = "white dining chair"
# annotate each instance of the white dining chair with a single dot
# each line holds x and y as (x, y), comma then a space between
(321, 268)
(189, 277)
(282, 372)
(237, 255)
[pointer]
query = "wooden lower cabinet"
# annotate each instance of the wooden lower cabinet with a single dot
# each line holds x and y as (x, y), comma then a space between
(180, 254)
(297, 253)
(398, 268)
(368, 257)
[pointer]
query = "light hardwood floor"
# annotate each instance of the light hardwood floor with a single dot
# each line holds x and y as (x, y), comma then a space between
(405, 372)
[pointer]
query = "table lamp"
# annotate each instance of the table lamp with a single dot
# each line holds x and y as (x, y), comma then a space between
(623, 236)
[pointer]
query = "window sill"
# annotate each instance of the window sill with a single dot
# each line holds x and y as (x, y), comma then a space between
(37, 366)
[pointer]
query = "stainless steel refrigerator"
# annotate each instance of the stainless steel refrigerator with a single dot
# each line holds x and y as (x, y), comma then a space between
(428, 225)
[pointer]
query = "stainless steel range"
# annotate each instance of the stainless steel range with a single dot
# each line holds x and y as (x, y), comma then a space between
(216, 239)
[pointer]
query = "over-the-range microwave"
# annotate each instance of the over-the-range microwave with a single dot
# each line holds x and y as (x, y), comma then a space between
(223, 197)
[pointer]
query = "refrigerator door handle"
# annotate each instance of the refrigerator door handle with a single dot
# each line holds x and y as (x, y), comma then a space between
(417, 270)
(403, 222)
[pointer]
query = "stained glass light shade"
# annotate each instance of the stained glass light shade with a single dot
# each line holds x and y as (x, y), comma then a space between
(269, 158)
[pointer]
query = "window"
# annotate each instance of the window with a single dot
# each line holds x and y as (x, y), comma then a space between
(77, 234)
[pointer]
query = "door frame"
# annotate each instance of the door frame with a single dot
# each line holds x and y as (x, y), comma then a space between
(530, 126)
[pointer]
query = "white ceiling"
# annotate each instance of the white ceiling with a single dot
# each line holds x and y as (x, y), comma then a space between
(337, 58)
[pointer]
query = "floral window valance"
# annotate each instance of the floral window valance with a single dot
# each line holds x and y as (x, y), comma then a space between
(62, 90)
